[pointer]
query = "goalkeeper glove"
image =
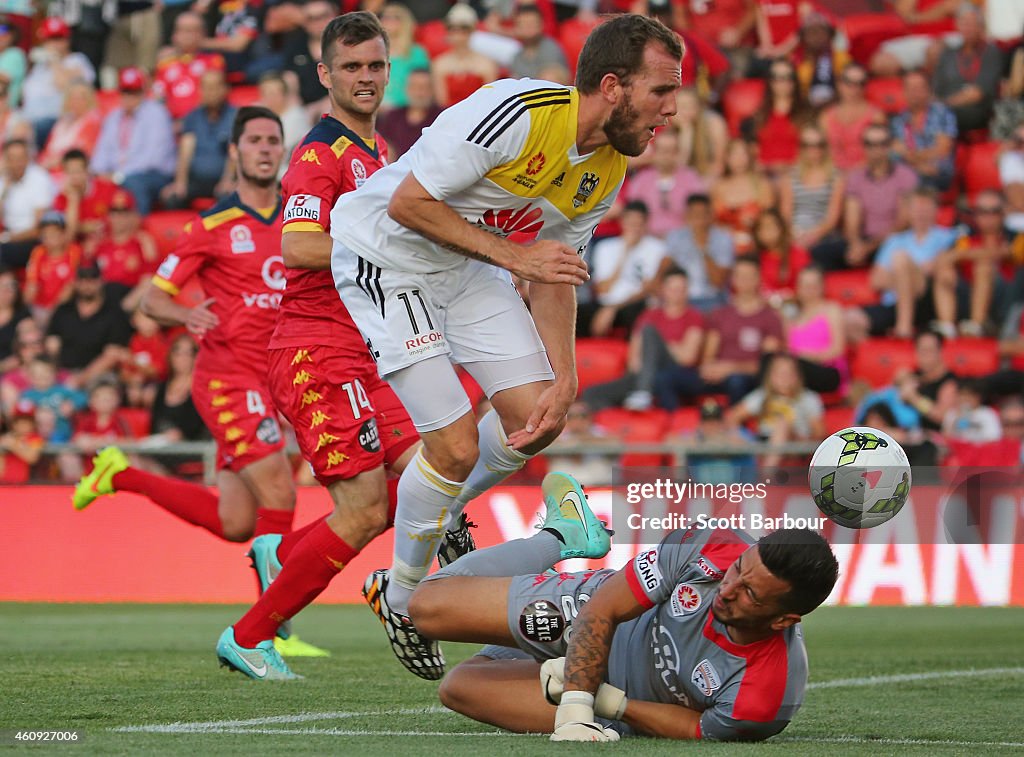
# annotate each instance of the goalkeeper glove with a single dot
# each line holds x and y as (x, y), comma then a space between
(574, 720)
(609, 703)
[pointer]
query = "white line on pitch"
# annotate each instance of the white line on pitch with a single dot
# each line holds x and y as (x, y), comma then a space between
(843, 683)
(302, 717)
(894, 742)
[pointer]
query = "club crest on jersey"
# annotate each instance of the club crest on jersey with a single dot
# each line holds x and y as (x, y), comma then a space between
(706, 678)
(241, 240)
(685, 600)
(588, 183)
(358, 172)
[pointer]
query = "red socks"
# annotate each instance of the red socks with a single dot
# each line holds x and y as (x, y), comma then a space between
(273, 521)
(311, 565)
(192, 503)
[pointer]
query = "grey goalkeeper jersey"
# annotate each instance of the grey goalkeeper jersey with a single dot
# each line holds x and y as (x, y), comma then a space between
(677, 653)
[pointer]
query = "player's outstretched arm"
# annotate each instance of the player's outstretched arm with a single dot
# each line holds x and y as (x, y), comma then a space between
(544, 261)
(309, 250)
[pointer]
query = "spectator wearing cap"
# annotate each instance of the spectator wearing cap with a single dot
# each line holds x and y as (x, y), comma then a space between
(51, 267)
(818, 63)
(461, 71)
(719, 467)
(26, 192)
(89, 332)
(402, 126)
(13, 63)
(84, 201)
(180, 68)
(78, 128)
(127, 255)
(924, 135)
(967, 76)
(54, 68)
(136, 146)
(203, 168)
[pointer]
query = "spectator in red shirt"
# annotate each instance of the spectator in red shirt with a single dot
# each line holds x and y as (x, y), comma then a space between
(78, 128)
(51, 267)
(459, 72)
(20, 447)
(776, 125)
(846, 121)
(145, 362)
(84, 201)
(778, 28)
(739, 335)
(100, 425)
(127, 255)
(781, 260)
(666, 336)
(176, 80)
(727, 23)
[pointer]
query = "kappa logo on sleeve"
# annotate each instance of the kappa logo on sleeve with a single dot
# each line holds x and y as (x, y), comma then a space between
(302, 207)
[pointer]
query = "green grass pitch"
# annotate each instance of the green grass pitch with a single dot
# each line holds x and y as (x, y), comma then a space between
(928, 681)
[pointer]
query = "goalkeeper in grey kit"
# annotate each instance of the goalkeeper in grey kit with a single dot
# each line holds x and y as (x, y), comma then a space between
(696, 638)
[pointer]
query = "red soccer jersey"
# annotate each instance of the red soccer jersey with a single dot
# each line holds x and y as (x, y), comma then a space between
(330, 161)
(782, 18)
(177, 80)
(236, 252)
(123, 262)
(51, 273)
(95, 206)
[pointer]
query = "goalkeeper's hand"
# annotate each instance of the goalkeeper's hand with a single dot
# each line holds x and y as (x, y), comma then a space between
(609, 703)
(574, 720)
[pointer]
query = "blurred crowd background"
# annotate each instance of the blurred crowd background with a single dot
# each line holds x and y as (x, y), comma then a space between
(829, 231)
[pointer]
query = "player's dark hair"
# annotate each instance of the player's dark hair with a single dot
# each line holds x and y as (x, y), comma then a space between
(16, 143)
(936, 335)
(529, 9)
(249, 113)
(698, 198)
(803, 559)
(883, 411)
(637, 206)
(748, 260)
(675, 270)
(617, 47)
(74, 154)
(351, 29)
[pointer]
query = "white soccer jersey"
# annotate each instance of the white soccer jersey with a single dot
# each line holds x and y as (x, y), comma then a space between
(505, 159)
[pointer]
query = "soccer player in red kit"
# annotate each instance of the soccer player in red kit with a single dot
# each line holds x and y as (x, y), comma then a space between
(350, 426)
(234, 249)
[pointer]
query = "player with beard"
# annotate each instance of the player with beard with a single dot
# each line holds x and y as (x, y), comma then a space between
(422, 257)
(697, 638)
(235, 250)
(348, 423)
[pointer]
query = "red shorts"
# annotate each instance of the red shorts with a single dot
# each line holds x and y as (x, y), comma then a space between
(347, 420)
(237, 409)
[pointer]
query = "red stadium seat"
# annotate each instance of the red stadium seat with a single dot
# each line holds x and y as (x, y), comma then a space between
(968, 356)
(742, 99)
(137, 420)
(433, 36)
(866, 31)
(851, 288)
(887, 94)
(684, 421)
(648, 426)
(600, 360)
(946, 215)
(571, 36)
(166, 226)
(1003, 452)
(838, 418)
(980, 168)
(244, 94)
(876, 361)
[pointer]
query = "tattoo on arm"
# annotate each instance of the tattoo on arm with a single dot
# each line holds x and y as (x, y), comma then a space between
(468, 253)
(586, 659)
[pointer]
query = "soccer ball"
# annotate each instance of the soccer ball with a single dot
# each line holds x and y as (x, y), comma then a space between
(859, 477)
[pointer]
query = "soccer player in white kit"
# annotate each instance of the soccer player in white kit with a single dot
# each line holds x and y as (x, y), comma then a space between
(422, 258)
(696, 638)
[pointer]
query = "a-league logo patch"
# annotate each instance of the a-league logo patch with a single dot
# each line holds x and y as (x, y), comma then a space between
(358, 172)
(268, 431)
(706, 678)
(241, 240)
(166, 269)
(542, 621)
(685, 600)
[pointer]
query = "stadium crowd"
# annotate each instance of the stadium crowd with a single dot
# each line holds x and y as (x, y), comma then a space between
(831, 229)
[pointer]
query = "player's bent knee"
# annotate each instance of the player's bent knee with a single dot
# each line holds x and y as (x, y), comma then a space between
(458, 689)
(426, 609)
(236, 531)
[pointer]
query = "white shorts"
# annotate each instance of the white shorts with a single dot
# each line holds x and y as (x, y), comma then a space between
(472, 314)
